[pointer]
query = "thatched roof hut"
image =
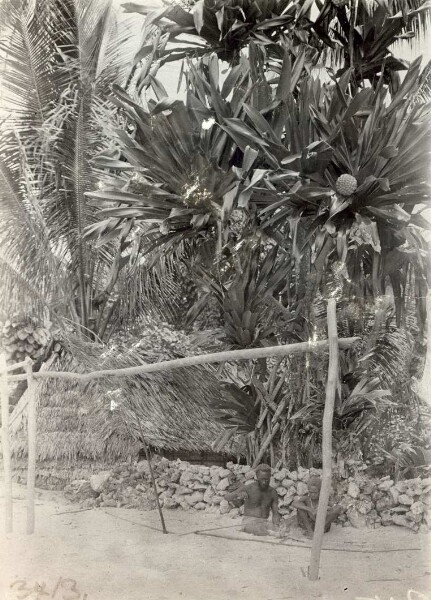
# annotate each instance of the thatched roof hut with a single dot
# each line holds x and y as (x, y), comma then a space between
(102, 421)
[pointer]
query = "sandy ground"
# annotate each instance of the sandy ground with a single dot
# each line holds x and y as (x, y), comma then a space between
(120, 554)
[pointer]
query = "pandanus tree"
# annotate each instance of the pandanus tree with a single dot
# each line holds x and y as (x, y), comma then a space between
(304, 187)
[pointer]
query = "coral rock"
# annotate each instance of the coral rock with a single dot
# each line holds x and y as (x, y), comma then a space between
(394, 495)
(186, 477)
(385, 485)
(364, 506)
(223, 484)
(194, 498)
(301, 488)
(386, 518)
(287, 483)
(405, 499)
(383, 504)
(401, 486)
(280, 475)
(356, 519)
(417, 508)
(182, 490)
(353, 490)
(209, 495)
(98, 481)
(400, 520)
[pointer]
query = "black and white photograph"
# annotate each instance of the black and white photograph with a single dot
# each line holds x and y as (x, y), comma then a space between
(215, 300)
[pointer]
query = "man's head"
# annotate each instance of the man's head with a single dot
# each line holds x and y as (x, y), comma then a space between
(263, 476)
(314, 485)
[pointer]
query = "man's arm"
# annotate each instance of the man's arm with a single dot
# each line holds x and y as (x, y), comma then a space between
(303, 506)
(238, 496)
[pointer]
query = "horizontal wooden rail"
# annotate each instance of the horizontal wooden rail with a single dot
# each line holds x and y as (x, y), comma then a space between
(191, 361)
(17, 365)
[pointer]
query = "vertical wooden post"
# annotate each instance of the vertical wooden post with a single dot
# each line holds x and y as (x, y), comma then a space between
(31, 433)
(331, 388)
(6, 445)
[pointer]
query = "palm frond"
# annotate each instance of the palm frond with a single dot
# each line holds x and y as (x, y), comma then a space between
(19, 294)
(423, 92)
(34, 76)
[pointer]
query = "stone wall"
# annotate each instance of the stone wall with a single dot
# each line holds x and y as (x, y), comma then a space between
(368, 502)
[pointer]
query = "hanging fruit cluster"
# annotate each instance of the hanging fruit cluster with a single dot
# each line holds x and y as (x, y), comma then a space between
(346, 185)
(20, 338)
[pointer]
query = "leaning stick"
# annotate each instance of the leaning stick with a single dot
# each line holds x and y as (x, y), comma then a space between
(331, 388)
(31, 431)
(192, 361)
(153, 479)
(6, 445)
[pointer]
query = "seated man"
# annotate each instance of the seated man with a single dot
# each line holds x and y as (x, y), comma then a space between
(259, 499)
(306, 508)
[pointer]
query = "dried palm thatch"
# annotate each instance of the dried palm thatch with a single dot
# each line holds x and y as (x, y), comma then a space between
(105, 419)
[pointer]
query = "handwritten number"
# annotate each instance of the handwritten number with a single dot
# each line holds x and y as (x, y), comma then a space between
(60, 579)
(70, 586)
(40, 590)
(26, 591)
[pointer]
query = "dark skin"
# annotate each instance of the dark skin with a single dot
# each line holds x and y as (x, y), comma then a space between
(259, 498)
(306, 508)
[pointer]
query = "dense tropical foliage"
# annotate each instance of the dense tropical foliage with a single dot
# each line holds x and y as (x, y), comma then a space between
(292, 168)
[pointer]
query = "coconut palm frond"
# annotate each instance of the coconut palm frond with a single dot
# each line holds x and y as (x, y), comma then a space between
(93, 25)
(421, 24)
(26, 245)
(18, 294)
(34, 77)
(157, 290)
(120, 48)
(62, 59)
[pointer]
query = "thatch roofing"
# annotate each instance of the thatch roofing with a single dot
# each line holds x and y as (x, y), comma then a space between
(103, 420)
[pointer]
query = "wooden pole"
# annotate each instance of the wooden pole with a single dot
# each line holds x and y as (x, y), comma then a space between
(331, 388)
(153, 479)
(192, 361)
(6, 445)
(31, 433)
